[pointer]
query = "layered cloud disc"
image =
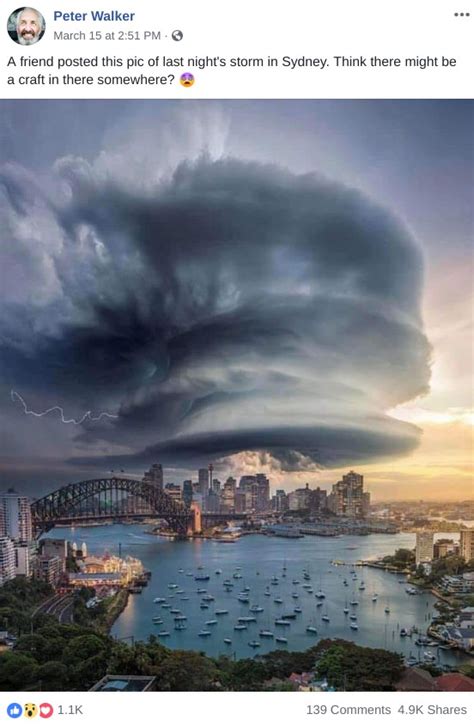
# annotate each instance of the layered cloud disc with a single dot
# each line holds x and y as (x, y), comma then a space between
(226, 307)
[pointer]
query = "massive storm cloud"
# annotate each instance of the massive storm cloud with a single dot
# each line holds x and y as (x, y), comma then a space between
(223, 307)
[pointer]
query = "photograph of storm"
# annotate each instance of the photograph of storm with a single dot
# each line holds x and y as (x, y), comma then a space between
(277, 286)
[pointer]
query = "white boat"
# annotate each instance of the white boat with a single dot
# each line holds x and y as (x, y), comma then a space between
(159, 599)
(387, 609)
(222, 612)
(319, 604)
(175, 611)
(165, 605)
(297, 609)
(266, 634)
(227, 641)
(157, 620)
(163, 633)
(278, 600)
(172, 586)
(243, 598)
(177, 618)
(240, 626)
(352, 617)
(256, 609)
(208, 598)
(211, 622)
(204, 633)
(218, 572)
(325, 618)
(204, 606)
(294, 595)
(279, 639)
(320, 595)
(254, 644)
(354, 626)
(246, 619)
(312, 629)
(282, 622)
(201, 591)
(346, 610)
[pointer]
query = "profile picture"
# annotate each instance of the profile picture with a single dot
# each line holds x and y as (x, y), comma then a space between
(26, 26)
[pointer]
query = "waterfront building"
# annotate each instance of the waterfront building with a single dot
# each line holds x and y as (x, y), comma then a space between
(263, 493)
(7, 560)
(154, 476)
(48, 569)
(299, 499)
(347, 497)
(124, 569)
(96, 579)
(15, 511)
(424, 547)
(280, 501)
(466, 545)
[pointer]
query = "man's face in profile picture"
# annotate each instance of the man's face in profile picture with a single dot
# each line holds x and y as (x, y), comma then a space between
(28, 26)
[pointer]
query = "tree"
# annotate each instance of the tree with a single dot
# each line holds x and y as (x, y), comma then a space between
(83, 647)
(354, 668)
(53, 676)
(17, 671)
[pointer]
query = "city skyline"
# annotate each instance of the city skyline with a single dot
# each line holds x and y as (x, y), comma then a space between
(325, 327)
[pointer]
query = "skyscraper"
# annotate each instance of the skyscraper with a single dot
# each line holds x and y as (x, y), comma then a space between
(154, 476)
(203, 481)
(15, 511)
(347, 497)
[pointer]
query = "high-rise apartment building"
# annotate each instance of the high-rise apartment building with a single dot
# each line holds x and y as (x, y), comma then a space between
(15, 511)
(7, 560)
(466, 544)
(424, 547)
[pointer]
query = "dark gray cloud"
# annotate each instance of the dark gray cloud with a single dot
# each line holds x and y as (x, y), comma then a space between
(227, 307)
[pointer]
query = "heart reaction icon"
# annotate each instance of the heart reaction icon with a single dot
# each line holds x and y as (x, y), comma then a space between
(45, 710)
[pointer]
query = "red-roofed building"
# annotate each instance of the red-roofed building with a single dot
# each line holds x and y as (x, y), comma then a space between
(454, 682)
(301, 679)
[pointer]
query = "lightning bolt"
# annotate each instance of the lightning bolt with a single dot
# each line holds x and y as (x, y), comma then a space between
(15, 396)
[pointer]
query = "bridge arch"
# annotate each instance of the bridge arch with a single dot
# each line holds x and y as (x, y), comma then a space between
(113, 497)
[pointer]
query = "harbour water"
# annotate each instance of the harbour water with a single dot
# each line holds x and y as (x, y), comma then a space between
(254, 560)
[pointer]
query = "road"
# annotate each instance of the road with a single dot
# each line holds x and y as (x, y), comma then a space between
(59, 606)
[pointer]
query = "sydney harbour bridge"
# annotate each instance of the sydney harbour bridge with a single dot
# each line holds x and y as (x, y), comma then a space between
(116, 498)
